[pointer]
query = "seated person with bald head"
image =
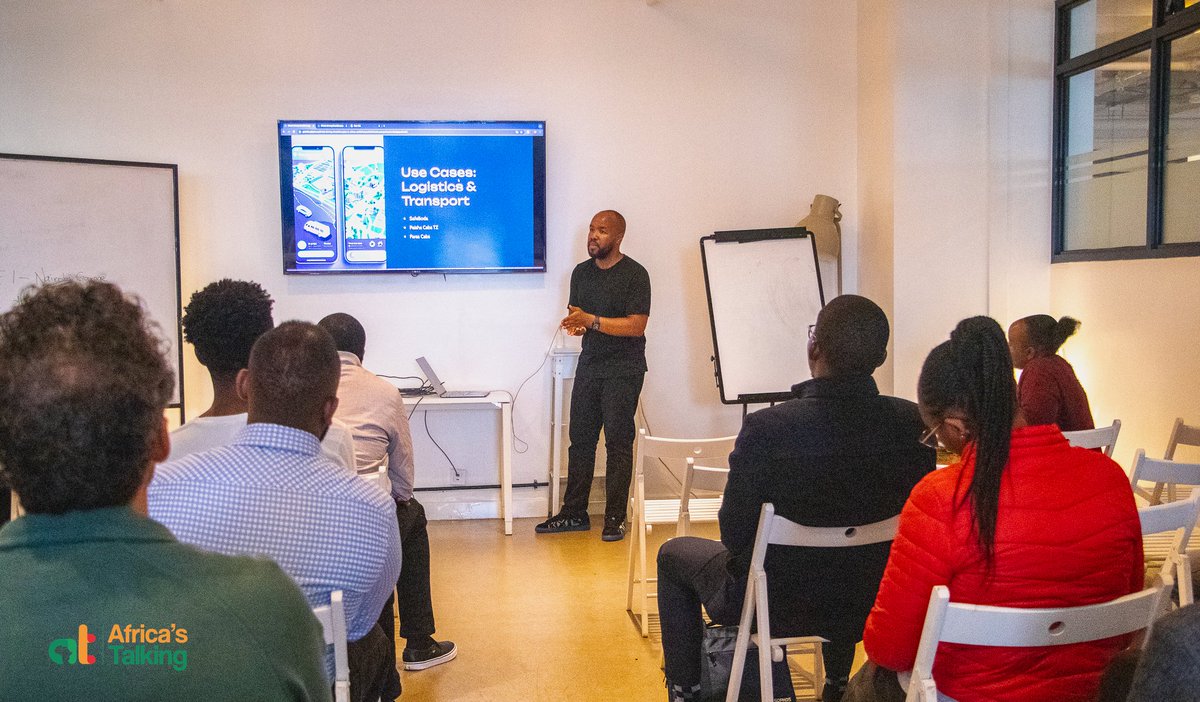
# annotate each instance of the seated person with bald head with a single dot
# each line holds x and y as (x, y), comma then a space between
(838, 454)
(99, 601)
(272, 493)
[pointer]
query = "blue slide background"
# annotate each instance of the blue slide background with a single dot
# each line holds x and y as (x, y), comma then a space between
(494, 231)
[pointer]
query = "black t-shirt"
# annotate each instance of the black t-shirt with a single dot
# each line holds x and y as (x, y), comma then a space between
(620, 291)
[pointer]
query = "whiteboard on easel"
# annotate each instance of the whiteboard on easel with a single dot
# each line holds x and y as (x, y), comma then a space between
(764, 289)
(117, 221)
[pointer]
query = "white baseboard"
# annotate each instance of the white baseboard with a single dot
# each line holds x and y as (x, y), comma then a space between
(481, 504)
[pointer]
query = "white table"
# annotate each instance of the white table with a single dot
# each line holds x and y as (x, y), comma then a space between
(496, 400)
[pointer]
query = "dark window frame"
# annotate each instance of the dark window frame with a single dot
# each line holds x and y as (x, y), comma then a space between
(1170, 21)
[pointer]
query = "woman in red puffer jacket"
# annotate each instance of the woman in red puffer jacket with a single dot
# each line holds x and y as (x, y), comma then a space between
(1023, 520)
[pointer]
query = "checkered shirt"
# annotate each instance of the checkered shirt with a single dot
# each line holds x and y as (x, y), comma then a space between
(272, 493)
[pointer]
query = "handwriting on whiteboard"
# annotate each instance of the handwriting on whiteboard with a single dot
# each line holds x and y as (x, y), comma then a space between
(18, 279)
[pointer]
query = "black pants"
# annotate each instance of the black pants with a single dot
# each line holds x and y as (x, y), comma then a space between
(609, 403)
(415, 604)
(691, 573)
(373, 673)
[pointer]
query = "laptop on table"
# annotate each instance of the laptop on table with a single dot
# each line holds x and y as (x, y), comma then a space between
(439, 389)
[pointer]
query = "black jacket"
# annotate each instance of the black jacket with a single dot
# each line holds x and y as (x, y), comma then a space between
(840, 454)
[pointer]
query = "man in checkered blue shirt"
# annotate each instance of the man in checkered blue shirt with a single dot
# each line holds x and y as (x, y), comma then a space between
(272, 493)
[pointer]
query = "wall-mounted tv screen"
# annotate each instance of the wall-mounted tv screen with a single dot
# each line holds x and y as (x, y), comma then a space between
(412, 197)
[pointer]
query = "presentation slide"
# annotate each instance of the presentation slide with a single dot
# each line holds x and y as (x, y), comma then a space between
(413, 197)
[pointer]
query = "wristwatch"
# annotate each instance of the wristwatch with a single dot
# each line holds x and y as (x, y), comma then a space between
(596, 324)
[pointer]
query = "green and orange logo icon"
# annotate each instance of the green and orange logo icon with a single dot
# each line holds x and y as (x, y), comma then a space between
(76, 649)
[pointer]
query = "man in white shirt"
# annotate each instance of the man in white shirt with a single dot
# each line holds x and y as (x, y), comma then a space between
(375, 412)
(222, 322)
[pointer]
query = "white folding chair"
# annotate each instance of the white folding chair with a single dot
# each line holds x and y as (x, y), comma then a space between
(1181, 435)
(774, 529)
(333, 621)
(1164, 473)
(700, 509)
(985, 625)
(645, 513)
(1102, 437)
(1178, 519)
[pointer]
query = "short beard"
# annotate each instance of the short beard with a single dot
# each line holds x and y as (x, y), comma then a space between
(601, 252)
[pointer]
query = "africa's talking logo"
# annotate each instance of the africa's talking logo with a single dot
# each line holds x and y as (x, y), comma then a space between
(76, 649)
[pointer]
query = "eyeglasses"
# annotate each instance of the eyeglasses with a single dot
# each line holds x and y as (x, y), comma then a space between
(929, 438)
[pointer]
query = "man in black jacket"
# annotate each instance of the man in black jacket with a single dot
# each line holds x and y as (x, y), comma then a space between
(839, 454)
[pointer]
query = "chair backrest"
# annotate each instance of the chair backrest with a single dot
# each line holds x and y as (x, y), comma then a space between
(703, 478)
(1179, 517)
(781, 531)
(660, 447)
(333, 622)
(1181, 435)
(1101, 437)
(984, 625)
(1161, 472)
(1173, 516)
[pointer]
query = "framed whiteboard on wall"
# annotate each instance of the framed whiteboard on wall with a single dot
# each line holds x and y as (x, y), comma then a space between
(764, 289)
(64, 218)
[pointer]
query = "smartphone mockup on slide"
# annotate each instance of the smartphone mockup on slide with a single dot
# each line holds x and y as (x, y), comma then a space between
(315, 213)
(362, 200)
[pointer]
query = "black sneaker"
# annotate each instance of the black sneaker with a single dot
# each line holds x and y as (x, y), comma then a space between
(561, 522)
(422, 658)
(614, 529)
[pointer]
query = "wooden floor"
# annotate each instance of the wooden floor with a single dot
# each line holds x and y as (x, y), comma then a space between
(536, 617)
(540, 617)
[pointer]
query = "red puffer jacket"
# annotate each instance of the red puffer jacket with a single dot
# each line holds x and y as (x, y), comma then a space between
(1067, 533)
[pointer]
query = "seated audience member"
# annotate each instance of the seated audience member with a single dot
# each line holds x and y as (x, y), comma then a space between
(222, 322)
(88, 583)
(1049, 392)
(1169, 669)
(1023, 520)
(378, 421)
(272, 493)
(839, 454)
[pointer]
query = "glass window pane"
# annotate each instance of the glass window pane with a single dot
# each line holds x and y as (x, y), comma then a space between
(1101, 22)
(1181, 195)
(1108, 117)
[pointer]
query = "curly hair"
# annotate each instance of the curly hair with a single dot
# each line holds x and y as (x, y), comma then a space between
(84, 381)
(223, 321)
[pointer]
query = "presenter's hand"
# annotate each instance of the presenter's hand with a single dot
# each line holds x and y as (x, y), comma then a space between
(575, 331)
(577, 318)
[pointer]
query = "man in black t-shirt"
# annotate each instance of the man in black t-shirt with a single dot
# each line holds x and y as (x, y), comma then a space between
(609, 306)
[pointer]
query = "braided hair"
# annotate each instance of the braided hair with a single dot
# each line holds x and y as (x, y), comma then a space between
(1046, 335)
(972, 373)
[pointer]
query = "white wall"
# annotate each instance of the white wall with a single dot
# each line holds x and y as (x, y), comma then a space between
(688, 116)
(954, 166)
(1136, 351)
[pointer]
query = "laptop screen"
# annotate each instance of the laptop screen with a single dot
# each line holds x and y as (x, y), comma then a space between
(431, 376)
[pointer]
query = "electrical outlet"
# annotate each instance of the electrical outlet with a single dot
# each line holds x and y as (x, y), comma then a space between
(459, 477)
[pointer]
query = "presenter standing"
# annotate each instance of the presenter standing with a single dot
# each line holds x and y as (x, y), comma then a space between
(609, 306)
